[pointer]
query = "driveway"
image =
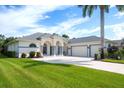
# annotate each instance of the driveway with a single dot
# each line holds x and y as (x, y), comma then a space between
(86, 62)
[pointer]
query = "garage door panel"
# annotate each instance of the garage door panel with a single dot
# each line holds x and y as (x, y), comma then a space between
(94, 50)
(79, 51)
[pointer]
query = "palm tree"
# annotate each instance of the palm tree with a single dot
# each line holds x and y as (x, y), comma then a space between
(88, 10)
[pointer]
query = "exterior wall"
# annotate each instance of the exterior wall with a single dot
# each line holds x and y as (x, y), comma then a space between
(24, 47)
(69, 52)
(53, 43)
(84, 43)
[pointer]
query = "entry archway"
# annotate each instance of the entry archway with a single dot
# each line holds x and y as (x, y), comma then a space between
(58, 48)
(47, 48)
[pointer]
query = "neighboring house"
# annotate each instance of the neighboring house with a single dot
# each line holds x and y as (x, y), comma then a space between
(53, 44)
(118, 43)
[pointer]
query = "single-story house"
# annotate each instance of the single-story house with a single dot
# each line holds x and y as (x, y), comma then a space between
(53, 44)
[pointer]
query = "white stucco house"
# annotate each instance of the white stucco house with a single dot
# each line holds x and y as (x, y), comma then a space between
(53, 44)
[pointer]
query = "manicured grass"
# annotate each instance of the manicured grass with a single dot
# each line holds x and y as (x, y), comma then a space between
(28, 73)
(113, 61)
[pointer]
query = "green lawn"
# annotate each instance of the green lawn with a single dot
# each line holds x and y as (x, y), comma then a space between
(113, 61)
(27, 73)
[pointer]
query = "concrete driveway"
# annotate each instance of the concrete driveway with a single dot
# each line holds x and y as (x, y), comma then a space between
(86, 62)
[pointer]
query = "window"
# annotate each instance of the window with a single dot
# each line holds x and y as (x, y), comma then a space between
(32, 45)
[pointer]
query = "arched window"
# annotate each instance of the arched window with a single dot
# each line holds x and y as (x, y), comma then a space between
(32, 45)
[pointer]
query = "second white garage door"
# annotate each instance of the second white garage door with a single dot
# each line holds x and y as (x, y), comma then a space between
(94, 50)
(80, 51)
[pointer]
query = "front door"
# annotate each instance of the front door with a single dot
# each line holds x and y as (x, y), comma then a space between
(45, 49)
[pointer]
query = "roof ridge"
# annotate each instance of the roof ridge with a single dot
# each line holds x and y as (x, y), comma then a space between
(86, 37)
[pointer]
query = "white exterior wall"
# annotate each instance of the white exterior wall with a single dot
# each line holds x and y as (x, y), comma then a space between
(24, 47)
(52, 42)
(69, 51)
(84, 43)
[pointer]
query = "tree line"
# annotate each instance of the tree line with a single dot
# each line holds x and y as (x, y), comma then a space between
(4, 41)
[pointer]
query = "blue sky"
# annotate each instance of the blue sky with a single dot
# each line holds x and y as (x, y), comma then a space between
(24, 20)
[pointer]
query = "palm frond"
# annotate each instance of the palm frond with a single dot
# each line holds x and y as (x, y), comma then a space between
(120, 8)
(84, 10)
(106, 8)
(90, 10)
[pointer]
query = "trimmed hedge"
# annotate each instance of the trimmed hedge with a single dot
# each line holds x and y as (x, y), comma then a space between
(32, 54)
(23, 55)
(38, 54)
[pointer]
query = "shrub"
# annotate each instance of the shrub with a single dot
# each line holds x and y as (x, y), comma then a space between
(112, 49)
(122, 53)
(112, 52)
(11, 54)
(105, 54)
(38, 54)
(95, 56)
(23, 55)
(117, 55)
(32, 54)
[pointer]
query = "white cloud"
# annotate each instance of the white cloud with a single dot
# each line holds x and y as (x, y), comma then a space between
(117, 29)
(65, 27)
(111, 6)
(13, 20)
(71, 23)
(119, 14)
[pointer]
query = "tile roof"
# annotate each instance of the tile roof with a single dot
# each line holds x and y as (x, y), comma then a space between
(85, 39)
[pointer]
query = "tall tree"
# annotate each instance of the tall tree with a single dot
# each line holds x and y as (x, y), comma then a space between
(2, 38)
(88, 10)
(65, 36)
(5, 43)
(9, 39)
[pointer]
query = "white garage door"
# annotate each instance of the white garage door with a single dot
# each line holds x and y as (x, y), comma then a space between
(94, 50)
(80, 51)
